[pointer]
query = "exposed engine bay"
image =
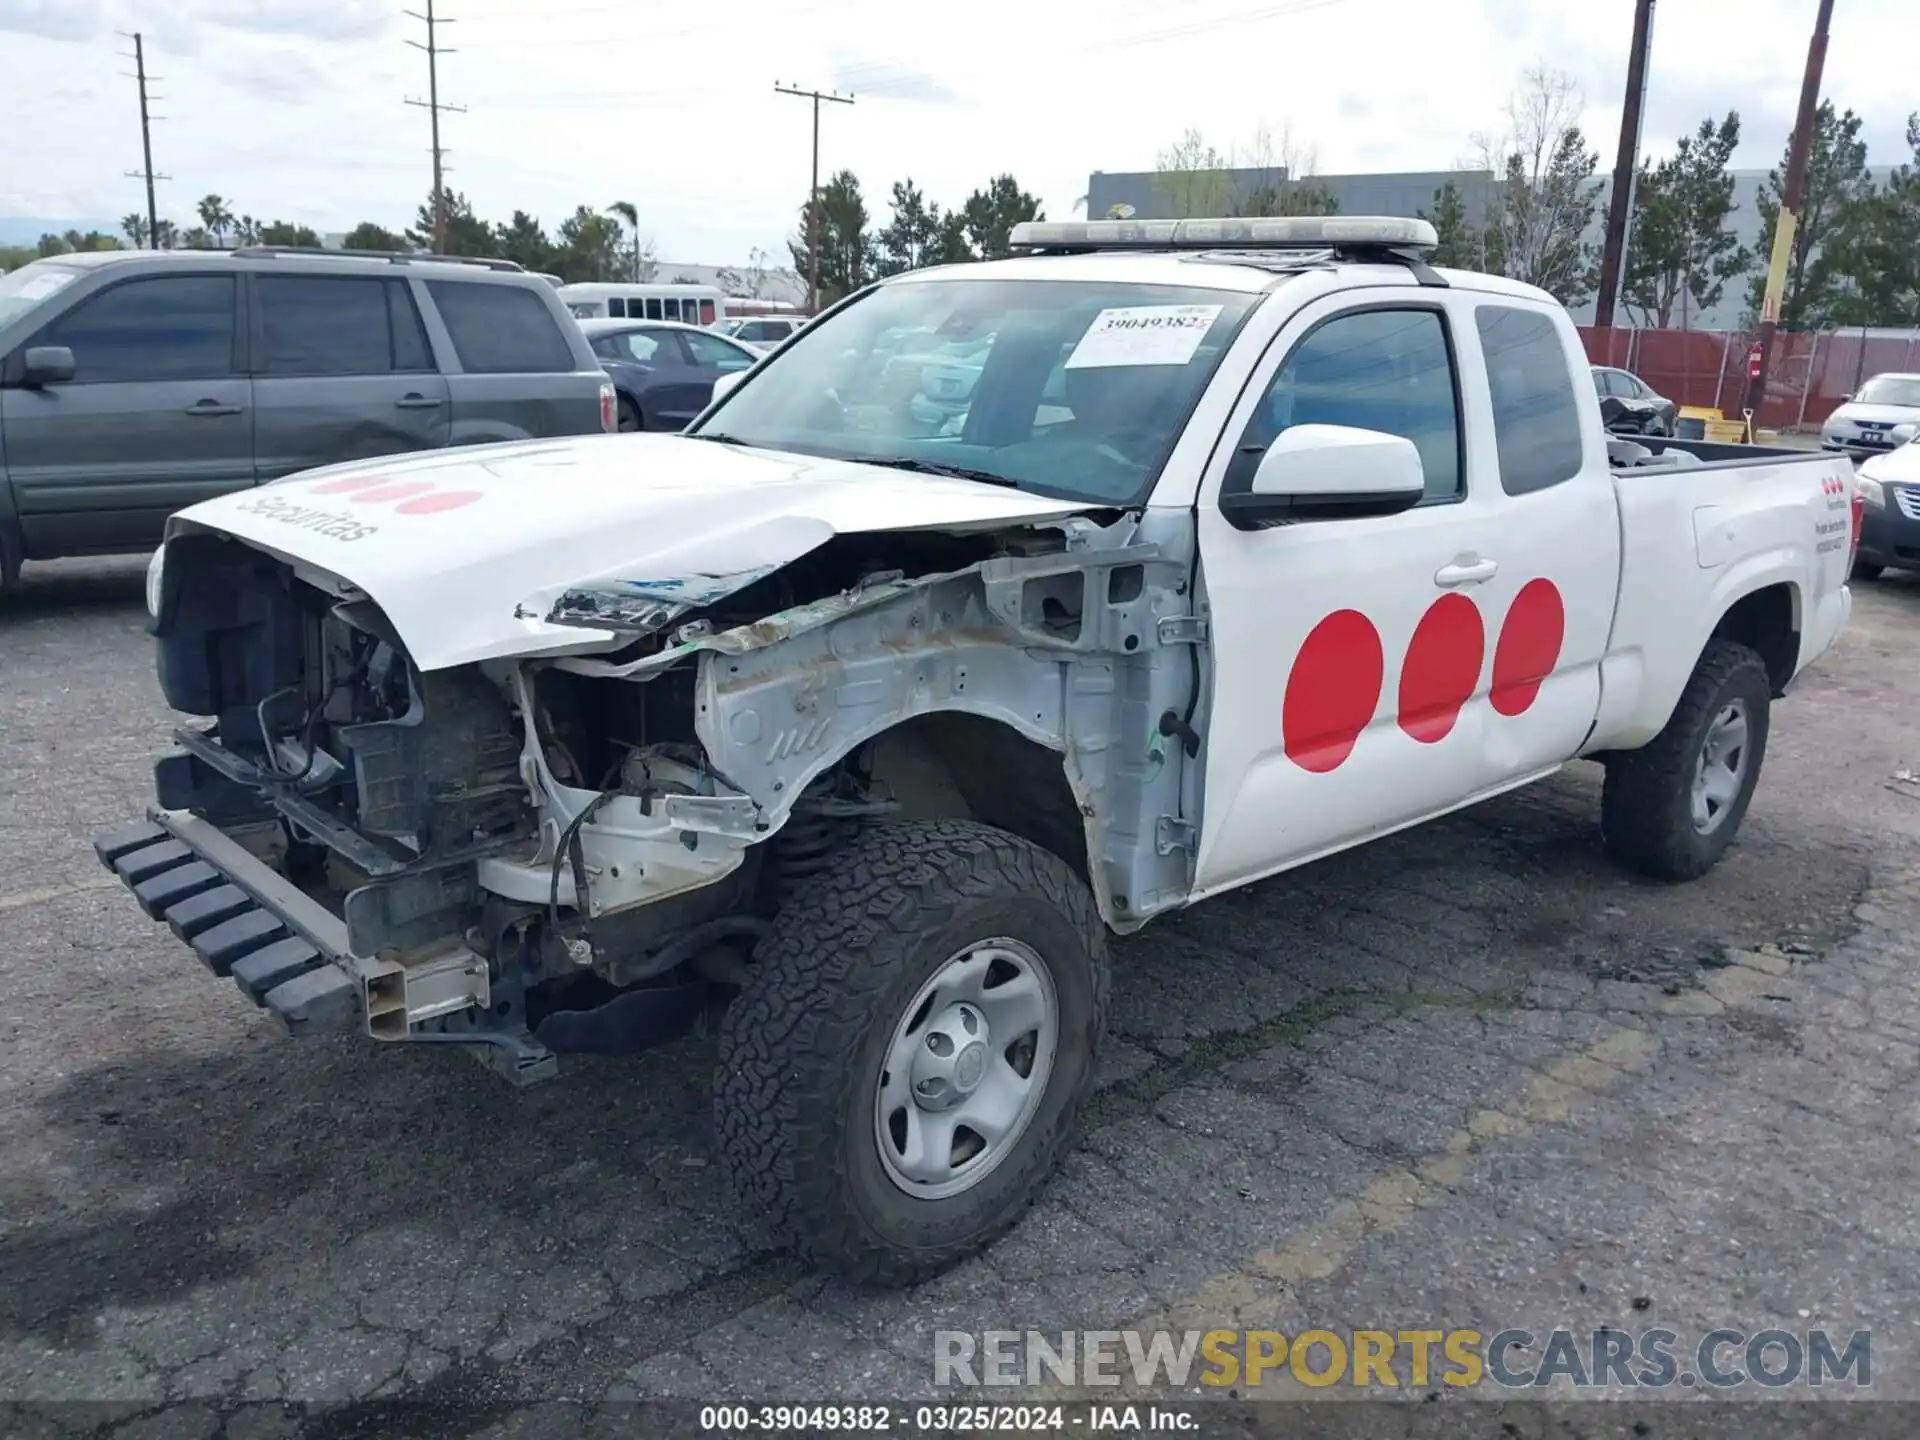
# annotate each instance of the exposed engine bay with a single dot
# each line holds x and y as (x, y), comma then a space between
(609, 831)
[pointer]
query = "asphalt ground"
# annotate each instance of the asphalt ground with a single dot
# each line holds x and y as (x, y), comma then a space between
(1472, 1076)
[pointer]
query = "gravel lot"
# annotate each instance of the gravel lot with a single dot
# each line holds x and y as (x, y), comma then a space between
(1469, 1076)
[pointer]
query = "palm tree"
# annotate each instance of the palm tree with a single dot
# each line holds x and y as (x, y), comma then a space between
(246, 230)
(216, 217)
(134, 227)
(627, 211)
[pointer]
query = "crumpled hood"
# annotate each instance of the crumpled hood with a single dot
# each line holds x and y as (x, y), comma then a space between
(466, 551)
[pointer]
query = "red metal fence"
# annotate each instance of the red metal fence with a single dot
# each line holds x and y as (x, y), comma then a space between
(1809, 376)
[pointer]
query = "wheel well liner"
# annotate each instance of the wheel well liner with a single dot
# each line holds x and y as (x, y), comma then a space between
(1004, 778)
(1765, 622)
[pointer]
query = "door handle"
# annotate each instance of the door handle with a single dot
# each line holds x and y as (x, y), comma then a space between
(1466, 570)
(415, 402)
(211, 407)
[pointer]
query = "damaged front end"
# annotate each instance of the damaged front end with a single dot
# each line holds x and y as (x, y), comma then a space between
(576, 853)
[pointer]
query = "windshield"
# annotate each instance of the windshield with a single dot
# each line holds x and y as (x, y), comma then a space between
(22, 289)
(1891, 390)
(1070, 388)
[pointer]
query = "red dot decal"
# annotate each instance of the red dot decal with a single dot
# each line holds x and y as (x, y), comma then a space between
(1529, 646)
(433, 504)
(1332, 692)
(347, 485)
(1441, 668)
(401, 491)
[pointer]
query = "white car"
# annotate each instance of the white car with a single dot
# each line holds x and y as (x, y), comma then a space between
(1865, 425)
(1261, 539)
(764, 332)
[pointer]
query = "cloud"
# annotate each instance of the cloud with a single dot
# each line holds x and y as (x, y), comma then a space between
(891, 80)
(274, 75)
(53, 19)
(299, 19)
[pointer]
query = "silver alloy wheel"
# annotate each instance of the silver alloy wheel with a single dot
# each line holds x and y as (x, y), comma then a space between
(1718, 773)
(967, 1068)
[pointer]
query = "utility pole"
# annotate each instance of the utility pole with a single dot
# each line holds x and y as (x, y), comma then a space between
(433, 107)
(1613, 252)
(813, 192)
(145, 172)
(1788, 220)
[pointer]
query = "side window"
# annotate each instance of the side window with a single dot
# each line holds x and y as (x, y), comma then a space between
(653, 309)
(1603, 382)
(617, 308)
(1536, 419)
(643, 346)
(176, 327)
(1386, 370)
(711, 350)
(410, 349)
(324, 325)
(501, 329)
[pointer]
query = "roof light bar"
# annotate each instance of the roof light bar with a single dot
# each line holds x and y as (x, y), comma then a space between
(1279, 233)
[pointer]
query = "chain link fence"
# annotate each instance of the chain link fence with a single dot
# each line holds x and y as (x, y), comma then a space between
(1811, 374)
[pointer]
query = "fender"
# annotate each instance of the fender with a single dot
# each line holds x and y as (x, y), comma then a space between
(1640, 688)
(793, 695)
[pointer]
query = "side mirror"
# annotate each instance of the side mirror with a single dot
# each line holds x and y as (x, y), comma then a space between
(46, 365)
(1330, 472)
(727, 381)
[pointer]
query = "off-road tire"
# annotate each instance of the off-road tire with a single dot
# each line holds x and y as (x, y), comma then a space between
(1866, 570)
(1646, 817)
(800, 1048)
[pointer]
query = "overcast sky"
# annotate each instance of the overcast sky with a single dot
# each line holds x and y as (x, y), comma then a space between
(292, 109)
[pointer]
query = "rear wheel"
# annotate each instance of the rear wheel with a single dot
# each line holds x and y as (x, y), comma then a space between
(627, 415)
(1671, 808)
(911, 1056)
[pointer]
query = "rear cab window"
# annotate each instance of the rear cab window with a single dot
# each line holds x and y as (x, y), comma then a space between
(1537, 430)
(501, 329)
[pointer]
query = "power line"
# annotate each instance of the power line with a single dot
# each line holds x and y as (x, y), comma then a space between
(145, 172)
(813, 192)
(433, 106)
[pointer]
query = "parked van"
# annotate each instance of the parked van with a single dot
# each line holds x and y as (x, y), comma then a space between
(689, 304)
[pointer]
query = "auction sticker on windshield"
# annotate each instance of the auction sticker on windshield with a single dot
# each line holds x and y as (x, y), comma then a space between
(1143, 335)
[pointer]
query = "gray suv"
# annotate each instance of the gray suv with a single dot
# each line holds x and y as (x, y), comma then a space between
(136, 383)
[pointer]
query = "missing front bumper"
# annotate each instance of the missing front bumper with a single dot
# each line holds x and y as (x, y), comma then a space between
(289, 954)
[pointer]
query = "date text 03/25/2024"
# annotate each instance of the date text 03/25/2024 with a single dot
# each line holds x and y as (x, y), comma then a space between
(945, 1419)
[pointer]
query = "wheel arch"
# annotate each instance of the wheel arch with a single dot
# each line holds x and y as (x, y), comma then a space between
(1641, 687)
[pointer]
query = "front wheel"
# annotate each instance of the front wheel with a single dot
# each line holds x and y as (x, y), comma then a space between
(1671, 808)
(911, 1056)
(1867, 570)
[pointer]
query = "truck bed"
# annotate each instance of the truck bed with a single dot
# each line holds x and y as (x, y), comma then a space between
(1707, 528)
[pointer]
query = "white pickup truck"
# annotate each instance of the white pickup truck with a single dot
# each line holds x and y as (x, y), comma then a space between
(1257, 540)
